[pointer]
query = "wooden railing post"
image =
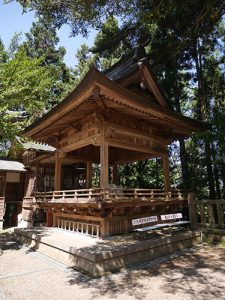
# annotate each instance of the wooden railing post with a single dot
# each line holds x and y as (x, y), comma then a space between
(192, 209)
(202, 215)
(220, 215)
(211, 216)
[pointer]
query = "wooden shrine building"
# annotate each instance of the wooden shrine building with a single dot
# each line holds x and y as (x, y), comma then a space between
(12, 176)
(111, 118)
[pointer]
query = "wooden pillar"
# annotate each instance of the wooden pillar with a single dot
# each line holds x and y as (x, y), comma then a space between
(58, 171)
(2, 198)
(49, 219)
(89, 175)
(36, 177)
(166, 172)
(105, 228)
(115, 175)
(104, 161)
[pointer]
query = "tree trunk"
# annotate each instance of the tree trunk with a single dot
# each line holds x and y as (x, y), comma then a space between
(216, 173)
(203, 115)
(183, 153)
(184, 165)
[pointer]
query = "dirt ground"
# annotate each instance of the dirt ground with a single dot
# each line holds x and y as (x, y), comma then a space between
(198, 273)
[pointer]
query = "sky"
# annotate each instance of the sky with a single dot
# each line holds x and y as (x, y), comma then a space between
(13, 20)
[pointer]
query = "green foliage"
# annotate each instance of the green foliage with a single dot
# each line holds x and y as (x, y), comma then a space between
(140, 20)
(33, 77)
(42, 41)
(84, 61)
(24, 90)
(142, 174)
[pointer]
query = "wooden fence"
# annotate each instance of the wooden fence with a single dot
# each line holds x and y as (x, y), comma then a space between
(79, 227)
(207, 213)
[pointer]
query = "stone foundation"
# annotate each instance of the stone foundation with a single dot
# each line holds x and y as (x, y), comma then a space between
(97, 256)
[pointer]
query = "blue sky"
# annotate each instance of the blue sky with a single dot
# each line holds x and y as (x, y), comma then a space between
(13, 20)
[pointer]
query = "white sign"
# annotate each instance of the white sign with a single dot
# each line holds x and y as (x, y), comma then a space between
(144, 220)
(171, 216)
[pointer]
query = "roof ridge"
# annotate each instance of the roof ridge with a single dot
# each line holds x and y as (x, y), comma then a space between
(136, 53)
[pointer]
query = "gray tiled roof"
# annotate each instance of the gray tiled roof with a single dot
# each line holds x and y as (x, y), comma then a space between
(14, 166)
(126, 65)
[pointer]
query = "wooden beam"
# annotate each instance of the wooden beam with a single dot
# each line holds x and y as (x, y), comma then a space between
(134, 147)
(138, 133)
(58, 171)
(74, 136)
(74, 159)
(137, 157)
(98, 99)
(147, 126)
(153, 86)
(89, 175)
(166, 172)
(82, 143)
(42, 157)
(104, 161)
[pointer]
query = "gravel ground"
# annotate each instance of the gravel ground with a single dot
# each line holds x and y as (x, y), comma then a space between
(195, 274)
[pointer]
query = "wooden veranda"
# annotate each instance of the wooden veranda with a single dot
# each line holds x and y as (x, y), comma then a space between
(109, 119)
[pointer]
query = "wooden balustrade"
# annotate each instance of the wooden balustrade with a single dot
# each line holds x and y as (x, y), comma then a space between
(79, 227)
(210, 213)
(112, 194)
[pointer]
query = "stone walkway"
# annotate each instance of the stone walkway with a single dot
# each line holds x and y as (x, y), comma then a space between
(195, 274)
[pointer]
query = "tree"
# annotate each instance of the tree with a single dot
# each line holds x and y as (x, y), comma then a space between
(24, 90)
(185, 46)
(42, 41)
(136, 17)
(142, 174)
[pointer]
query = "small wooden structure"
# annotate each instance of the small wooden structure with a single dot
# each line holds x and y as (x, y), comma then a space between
(111, 118)
(12, 175)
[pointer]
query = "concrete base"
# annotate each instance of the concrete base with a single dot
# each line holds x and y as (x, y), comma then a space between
(1, 224)
(25, 224)
(96, 256)
(213, 235)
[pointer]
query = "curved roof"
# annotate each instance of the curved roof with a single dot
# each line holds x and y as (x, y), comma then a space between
(12, 166)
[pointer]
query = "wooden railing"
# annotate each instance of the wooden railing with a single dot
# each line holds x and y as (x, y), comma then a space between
(210, 213)
(104, 195)
(79, 227)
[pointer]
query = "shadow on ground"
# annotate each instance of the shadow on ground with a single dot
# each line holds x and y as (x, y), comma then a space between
(198, 274)
(7, 242)
(10, 241)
